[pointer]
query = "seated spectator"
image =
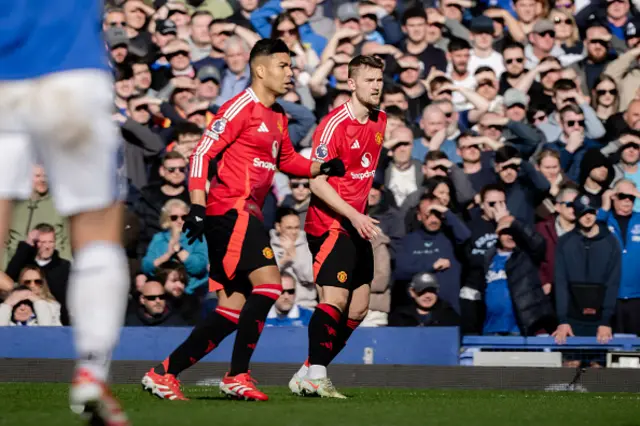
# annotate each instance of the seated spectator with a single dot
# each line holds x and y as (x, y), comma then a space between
(617, 213)
(515, 302)
(39, 208)
(428, 309)
(173, 276)
(24, 308)
(152, 197)
(380, 296)
(286, 312)
(299, 198)
(152, 310)
(292, 253)
(40, 249)
(32, 278)
(554, 227)
(432, 247)
(587, 276)
(172, 244)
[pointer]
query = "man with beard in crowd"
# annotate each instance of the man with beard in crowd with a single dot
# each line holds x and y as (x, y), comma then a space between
(459, 53)
(598, 57)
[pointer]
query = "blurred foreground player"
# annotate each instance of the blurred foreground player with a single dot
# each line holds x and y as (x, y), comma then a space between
(250, 139)
(56, 97)
(337, 229)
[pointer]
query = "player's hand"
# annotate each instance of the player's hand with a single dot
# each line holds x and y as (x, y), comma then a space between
(561, 333)
(333, 167)
(604, 334)
(194, 224)
(366, 226)
(442, 264)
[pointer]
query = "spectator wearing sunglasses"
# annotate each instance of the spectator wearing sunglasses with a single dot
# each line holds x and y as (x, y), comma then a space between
(286, 312)
(605, 99)
(172, 244)
(154, 196)
(567, 33)
(599, 54)
(627, 149)
(554, 226)
(617, 213)
(32, 278)
(299, 198)
(543, 44)
(152, 309)
(23, 308)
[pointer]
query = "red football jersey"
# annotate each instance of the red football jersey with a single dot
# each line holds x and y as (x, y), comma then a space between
(250, 142)
(358, 145)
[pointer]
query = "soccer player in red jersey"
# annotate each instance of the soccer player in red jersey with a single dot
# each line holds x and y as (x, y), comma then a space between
(337, 229)
(250, 139)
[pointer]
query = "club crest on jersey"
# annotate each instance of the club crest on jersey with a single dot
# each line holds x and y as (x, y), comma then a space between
(322, 152)
(274, 149)
(378, 138)
(279, 124)
(267, 253)
(366, 160)
(219, 125)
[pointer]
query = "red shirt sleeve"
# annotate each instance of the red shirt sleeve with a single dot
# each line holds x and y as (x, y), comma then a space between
(325, 146)
(222, 132)
(291, 162)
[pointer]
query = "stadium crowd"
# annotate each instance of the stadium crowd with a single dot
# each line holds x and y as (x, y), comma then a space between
(508, 190)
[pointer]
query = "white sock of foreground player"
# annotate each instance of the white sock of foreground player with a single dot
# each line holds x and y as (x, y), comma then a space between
(98, 289)
(317, 372)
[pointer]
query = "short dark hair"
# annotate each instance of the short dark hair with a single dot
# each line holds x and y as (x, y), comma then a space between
(435, 156)
(488, 188)
(413, 12)
(396, 112)
(458, 44)
(187, 128)
(506, 153)
(283, 212)
(267, 47)
(563, 85)
(362, 61)
(45, 228)
(484, 69)
(162, 272)
(570, 107)
(511, 44)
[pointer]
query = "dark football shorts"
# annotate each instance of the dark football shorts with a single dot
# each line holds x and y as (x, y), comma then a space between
(238, 245)
(341, 259)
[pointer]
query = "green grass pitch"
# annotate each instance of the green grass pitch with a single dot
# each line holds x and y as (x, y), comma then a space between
(46, 405)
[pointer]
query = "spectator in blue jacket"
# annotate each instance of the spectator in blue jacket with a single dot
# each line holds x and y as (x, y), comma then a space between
(433, 248)
(624, 223)
(285, 312)
(587, 277)
(172, 244)
(525, 187)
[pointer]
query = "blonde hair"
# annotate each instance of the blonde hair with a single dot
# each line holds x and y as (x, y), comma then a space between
(45, 291)
(165, 221)
(575, 34)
